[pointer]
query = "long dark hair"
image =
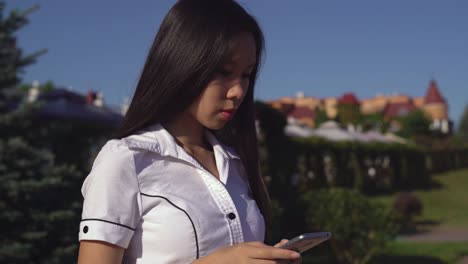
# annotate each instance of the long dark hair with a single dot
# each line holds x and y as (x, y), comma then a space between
(193, 41)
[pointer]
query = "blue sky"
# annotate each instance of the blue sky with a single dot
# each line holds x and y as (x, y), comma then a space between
(323, 48)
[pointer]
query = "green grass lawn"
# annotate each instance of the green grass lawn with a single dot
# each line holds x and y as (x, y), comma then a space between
(407, 253)
(448, 203)
(427, 253)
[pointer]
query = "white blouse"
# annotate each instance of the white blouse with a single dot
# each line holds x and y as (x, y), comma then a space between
(145, 193)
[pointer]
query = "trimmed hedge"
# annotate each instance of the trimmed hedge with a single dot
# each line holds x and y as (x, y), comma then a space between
(371, 167)
(368, 168)
(442, 160)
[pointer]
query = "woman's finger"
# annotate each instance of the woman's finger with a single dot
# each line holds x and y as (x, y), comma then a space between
(273, 253)
(282, 242)
(256, 244)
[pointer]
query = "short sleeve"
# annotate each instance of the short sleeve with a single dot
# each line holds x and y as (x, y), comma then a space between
(112, 199)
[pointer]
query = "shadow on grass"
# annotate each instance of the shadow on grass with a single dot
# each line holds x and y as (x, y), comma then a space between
(387, 259)
(419, 227)
(433, 185)
(427, 222)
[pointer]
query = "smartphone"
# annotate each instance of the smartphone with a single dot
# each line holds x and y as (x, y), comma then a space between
(306, 241)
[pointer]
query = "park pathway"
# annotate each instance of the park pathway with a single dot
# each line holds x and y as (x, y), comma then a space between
(463, 260)
(439, 235)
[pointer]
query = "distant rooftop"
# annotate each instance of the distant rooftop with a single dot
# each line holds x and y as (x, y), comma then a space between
(61, 103)
(433, 94)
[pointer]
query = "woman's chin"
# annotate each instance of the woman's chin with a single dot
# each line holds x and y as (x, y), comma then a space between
(216, 125)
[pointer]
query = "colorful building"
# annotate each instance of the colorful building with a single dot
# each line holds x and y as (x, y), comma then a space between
(302, 109)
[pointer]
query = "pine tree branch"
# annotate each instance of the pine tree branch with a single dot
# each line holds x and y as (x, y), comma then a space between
(28, 11)
(15, 19)
(30, 59)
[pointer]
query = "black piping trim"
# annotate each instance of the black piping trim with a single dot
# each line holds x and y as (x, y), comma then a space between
(185, 212)
(101, 220)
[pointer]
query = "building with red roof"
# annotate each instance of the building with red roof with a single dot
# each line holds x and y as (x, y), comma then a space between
(433, 95)
(435, 106)
(302, 109)
(394, 110)
(302, 115)
(349, 98)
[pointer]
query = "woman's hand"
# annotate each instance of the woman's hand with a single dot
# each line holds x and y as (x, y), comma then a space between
(282, 242)
(250, 253)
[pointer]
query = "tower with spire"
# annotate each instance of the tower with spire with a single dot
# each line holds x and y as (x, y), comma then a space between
(435, 106)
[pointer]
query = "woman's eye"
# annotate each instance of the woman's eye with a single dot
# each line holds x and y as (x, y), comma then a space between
(225, 73)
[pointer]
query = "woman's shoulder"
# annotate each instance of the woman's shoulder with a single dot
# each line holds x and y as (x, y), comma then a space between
(133, 147)
(115, 146)
(114, 153)
(142, 140)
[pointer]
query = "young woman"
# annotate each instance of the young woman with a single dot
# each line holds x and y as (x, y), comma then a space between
(181, 183)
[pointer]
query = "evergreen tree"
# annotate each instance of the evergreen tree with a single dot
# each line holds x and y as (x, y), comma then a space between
(414, 125)
(463, 125)
(320, 117)
(349, 113)
(38, 197)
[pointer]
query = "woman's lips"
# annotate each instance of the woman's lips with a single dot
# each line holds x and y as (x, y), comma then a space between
(228, 113)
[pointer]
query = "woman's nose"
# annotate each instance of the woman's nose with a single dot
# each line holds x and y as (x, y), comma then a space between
(237, 91)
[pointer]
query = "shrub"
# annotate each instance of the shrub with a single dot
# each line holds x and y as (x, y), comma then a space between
(407, 205)
(360, 227)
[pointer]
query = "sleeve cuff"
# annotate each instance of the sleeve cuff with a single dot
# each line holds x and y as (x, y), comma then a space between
(103, 230)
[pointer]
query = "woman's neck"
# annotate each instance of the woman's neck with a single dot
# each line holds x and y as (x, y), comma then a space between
(187, 131)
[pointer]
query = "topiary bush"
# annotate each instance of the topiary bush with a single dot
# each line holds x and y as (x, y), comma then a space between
(407, 205)
(360, 226)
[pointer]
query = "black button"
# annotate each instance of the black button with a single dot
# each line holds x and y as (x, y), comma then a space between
(232, 216)
(85, 229)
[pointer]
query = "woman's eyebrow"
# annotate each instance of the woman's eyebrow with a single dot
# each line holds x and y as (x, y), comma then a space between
(233, 63)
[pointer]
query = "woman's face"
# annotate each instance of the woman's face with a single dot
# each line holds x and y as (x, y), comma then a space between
(220, 100)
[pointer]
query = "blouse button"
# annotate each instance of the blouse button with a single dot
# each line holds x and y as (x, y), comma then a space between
(85, 229)
(232, 216)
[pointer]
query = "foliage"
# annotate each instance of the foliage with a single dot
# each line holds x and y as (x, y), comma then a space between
(304, 166)
(407, 206)
(320, 116)
(43, 87)
(442, 159)
(42, 165)
(361, 228)
(29, 176)
(37, 226)
(463, 125)
(445, 203)
(12, 60)
(374, 121)
(349, 113)
(414, 124)
(368, 167)
(402, 252)
(422, 252)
